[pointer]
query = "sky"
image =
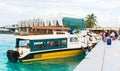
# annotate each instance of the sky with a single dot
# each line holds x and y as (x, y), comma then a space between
(107, 11)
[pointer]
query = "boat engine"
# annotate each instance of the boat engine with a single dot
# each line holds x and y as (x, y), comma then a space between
(13, 55)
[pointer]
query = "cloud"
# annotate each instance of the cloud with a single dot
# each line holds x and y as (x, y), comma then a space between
(11, 8)
(106, 10)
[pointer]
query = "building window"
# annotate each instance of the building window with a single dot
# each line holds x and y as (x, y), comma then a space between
(57, 23)
(54, 22)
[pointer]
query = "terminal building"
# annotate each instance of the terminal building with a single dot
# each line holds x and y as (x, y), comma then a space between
(49, 26)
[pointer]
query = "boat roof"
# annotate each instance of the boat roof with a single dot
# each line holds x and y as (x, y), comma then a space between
(35, 37)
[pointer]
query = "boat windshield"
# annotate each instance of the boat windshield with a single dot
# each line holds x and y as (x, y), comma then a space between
(21, 43)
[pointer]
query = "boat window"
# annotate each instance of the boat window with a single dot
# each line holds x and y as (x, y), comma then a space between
(39, 44)
(23, 43)
(73, 39)
(55, 43)
(64, 42)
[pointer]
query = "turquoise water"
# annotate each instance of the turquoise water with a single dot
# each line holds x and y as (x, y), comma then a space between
(7, 41)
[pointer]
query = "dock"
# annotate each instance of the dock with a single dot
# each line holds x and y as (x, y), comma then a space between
(102, 57)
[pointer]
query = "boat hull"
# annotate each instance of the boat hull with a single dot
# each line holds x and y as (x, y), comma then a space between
(51, 54)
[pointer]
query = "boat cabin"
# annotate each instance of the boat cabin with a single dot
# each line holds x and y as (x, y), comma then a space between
(41, 44)
(46, 42)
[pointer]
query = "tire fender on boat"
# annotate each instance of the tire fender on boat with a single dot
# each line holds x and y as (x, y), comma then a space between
(13, 55)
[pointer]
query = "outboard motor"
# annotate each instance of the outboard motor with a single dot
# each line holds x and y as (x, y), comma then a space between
(13, 55)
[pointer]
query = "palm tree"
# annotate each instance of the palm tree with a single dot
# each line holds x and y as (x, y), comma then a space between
(90, 20)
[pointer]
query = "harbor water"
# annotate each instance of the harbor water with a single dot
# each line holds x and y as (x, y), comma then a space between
(7, 42)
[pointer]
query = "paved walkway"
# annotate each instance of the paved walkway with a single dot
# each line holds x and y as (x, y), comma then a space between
(103, 57)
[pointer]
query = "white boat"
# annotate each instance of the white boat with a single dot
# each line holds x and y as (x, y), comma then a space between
(42, 47)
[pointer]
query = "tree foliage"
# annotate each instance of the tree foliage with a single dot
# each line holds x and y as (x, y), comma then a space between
(90, 20)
